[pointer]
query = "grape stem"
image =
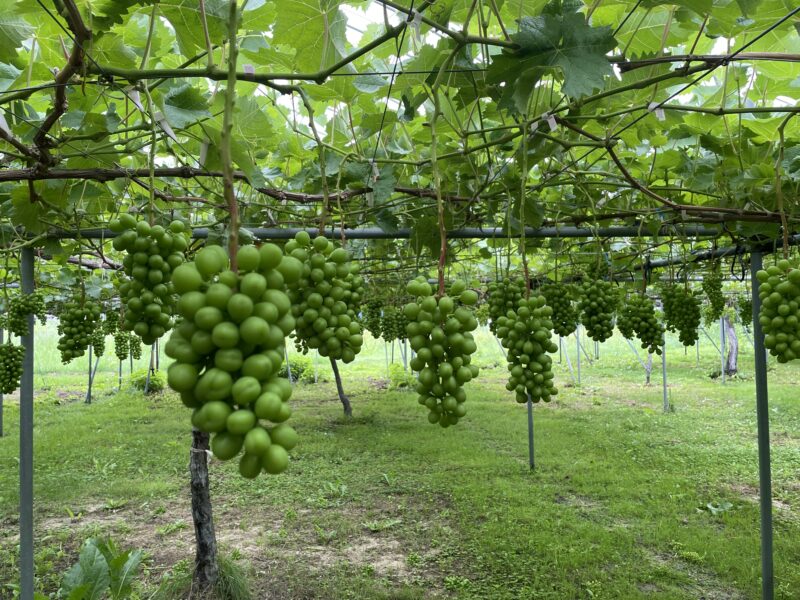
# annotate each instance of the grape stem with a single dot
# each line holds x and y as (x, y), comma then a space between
(225, 139)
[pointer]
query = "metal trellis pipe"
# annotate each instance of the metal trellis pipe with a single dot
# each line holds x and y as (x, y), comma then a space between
(26, 566)
(762, 419)
(530, 432)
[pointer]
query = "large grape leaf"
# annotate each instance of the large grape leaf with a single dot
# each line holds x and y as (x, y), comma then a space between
(315, 28)
(559, 39)
(13, 30)
(185, 17)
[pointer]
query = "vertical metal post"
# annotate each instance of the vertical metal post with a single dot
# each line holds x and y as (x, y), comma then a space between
(722, 348)
(560, 343)
(578, 351)
(89, 384)
(119, 380)
(762, 418)
(288, 366)
(597, 350)
(26, 566)
(386, 356)
(697, 348)
(530, 432)
(1, 395)
(664, 373)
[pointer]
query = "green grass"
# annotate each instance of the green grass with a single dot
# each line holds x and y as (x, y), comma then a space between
(626, 501)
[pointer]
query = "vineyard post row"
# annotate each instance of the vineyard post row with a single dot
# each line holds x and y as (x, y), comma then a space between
(26, 383)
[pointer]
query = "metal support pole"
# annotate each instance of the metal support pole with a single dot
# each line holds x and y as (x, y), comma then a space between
(710, 339)
(636, 353)
(578, 351)
(500, 345)
(530, 432)
(560, 343)
(386, 356)
(597, 350)
(288, 367)
(1, 395)
(697, 348)
(119, 380)
(89, 385)
(664, 374)
(722, 348)
(26, 566)
(569, 365)
(762, 418)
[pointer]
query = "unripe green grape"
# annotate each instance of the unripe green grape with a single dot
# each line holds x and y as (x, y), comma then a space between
(712, 288)
(559, 297)
(779, 292)
(597, 305)
(20, 307)
(11, 358)
(637, 317)
(502, 296)
(681, 312)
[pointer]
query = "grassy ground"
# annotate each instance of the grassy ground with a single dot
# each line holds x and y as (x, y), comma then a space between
(625, 502)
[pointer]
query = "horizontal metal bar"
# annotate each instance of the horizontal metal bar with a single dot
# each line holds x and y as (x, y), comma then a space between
(375, 233)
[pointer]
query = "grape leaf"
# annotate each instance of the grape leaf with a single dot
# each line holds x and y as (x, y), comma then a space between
(12, 31)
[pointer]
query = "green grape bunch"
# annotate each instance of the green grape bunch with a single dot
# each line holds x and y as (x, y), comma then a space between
(11, 357)
(122, 344)
(152, 254)
(779, 291)
(744, 307)
(526, 332)
(325, 298)
(681, 312)
(503, 296)
(78, 321)
(439, 331)
(111, 322)
(637, 317)
(482, 314)
(371, 317)
(98, 341)
(597, 305)
(228, 349)
(135, 346)
(22, 306)
(393, 324)
(712, 288)
(559, 299)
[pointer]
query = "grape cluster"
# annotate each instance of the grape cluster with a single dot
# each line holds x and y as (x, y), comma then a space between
(152, 254)
(10, 367)
(98, 341)
(393, 324)
(135, 346)
(744, 306)
(681, 312)
(111, 322)
(228, 351)
(712, 288)
(482, 314)
(502, 297)
(780, 310)
(559, 298)
(19, 307)
(122, 344)
(526, 333)
(325, 297)
(438, 331)
(77, 322)
(598, 303)
(371, 317)
(638, 317)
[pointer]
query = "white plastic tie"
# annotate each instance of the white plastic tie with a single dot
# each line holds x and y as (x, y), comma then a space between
(203, 153)
(655, 108)
(534, 127)
(551, 122)
(416, 24)
(162, 122)
(4, 125)
(136, 99)
(376, 173)
(249, 70)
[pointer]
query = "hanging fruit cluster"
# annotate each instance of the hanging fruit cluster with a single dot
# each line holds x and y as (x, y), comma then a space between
(111, 322)
(744, 306)
(325, 297)
(712, 288)
(98, 341)
(371, 317)
(780, 309)
(559, 298)
(502, 297)
(152, 255)
(11, 358)
(482, 314)
(228, 351)
(439, 331)
(122, 344)
(78, 320)
(393, 324)
(681, 312)
(22, 305)
(598, 303)
(526, 332)
(637, 317)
